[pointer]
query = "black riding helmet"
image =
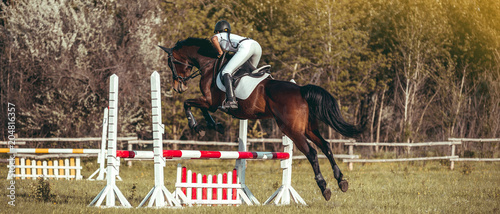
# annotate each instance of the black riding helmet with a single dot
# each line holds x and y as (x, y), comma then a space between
(222, 26)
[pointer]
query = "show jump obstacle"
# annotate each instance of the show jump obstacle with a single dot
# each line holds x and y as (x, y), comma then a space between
(57, 163)
(190, 190)
(230, 188)
(26, 168)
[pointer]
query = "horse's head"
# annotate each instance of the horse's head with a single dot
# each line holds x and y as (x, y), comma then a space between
(180, 68)
(184, 56)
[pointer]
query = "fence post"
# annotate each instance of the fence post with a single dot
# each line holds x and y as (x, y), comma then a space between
(130, 147)
(452, 163)
(351, 152)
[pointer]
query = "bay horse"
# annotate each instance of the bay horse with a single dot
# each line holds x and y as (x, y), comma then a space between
(296, 109)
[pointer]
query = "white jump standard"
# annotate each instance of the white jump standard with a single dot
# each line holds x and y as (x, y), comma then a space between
(159, 195)
(100, 159)
(286, 191)
(111, 189)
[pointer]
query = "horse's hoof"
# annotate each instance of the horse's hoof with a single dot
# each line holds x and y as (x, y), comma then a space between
(327, 194)
(343, 185)
(200, 130)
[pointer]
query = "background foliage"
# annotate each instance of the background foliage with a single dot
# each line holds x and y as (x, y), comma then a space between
(430, 67)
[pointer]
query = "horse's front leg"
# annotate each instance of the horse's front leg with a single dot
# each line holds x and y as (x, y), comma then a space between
(203, 106)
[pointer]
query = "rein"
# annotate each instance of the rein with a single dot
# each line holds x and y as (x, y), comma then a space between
(216, 70)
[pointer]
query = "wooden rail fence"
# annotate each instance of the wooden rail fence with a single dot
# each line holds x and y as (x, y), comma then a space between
(349, 158)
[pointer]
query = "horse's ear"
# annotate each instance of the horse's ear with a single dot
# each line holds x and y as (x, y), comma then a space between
(168, 50)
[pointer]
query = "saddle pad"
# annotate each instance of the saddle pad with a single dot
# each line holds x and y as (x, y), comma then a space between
(245, 86)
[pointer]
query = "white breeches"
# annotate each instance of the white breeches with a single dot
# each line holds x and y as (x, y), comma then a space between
(248, 50)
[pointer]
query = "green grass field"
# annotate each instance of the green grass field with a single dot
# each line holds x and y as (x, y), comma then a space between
(414, 187)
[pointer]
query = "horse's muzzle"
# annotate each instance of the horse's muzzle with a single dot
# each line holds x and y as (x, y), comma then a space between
(179, 87)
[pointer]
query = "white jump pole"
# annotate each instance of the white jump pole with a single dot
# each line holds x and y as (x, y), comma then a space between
(101, 157)
(111, 189)
(159, 192)
(286, 191)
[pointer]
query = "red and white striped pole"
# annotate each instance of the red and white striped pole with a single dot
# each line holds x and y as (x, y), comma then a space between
(196, 154)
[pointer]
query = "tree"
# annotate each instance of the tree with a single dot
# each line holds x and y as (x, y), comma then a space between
(475, 44)
(65, 52)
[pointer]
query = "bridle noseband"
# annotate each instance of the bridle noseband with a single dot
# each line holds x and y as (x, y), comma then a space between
(173, 60)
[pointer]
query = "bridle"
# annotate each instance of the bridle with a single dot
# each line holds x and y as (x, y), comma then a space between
(176, 76)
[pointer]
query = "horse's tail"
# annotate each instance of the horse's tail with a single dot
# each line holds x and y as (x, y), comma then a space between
(323, 106)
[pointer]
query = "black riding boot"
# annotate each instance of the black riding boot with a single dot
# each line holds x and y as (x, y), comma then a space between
(230, 102)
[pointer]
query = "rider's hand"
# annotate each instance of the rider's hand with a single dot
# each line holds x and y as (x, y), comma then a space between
(220, 55)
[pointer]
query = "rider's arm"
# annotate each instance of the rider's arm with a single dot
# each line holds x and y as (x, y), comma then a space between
(215, 40)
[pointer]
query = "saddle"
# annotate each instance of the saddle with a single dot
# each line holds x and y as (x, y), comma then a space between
(247, 69)
(248, 75)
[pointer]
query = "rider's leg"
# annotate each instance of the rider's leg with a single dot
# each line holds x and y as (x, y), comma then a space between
(244, 53)
(230, 102)
(257, 53)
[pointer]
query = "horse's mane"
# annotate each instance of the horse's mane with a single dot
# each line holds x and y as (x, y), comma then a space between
(206, 47)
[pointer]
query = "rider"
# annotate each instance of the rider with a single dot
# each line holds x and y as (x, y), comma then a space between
(245, 49)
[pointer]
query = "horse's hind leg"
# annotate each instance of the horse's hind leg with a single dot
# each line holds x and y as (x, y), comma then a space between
(290, 111)
(311, 154)
(211, 124)
(314, 136)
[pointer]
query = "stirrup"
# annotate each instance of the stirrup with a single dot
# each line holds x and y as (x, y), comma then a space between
(229, 104)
